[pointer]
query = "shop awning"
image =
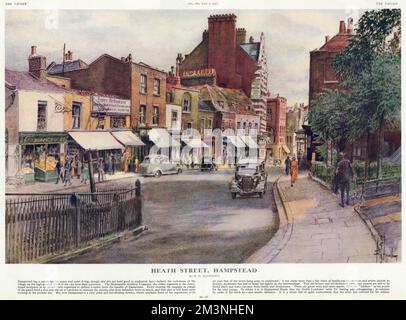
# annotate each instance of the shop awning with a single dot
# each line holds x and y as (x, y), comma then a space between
(195, 143)
(162, 138)
(95, 140)
(285, 148)
(249, 142)
(235, 140)
(128, 138)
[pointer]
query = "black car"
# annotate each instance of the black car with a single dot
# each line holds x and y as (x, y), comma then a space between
(249, 179)
(208, 164)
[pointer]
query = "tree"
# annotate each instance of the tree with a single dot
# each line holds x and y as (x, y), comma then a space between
(330, 117)
(370, 66)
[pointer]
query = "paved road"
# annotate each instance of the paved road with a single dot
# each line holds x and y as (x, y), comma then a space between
(192, 219)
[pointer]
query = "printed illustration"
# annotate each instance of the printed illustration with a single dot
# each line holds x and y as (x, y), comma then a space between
(199, 136)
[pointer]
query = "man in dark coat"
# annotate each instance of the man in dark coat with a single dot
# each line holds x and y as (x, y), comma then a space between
(344, 172)
(287, 165)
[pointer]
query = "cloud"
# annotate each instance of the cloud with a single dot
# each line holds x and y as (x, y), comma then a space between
(156, 36)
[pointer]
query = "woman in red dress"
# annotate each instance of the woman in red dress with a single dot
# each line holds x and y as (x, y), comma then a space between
(293, 171)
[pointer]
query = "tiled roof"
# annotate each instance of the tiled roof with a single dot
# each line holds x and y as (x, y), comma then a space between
(54, 68)
(336, 43)
(26, 81)
(252, 49)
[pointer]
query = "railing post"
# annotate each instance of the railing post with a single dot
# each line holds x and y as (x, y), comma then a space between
(75, 200)
(138, 203)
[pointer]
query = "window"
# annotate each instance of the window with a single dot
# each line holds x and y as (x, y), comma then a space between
(269, 112)
(174, 119)
(143, 111)
(238, 125)
(221, 104)
(201, 124)
(118, 122)
(42, 115)
(155, 115)
(157, 85)
(209, 124)
(169, 97)
(76, 106)
(186, 102)
(189, 125)
(244, 126)
(143, 83)
(256, 126)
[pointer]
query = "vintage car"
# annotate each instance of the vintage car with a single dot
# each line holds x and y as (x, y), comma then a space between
(249, 179)
(208, 164)
(157, 165)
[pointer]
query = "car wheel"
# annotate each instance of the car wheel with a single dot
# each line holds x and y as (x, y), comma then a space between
(233, 195)
(158, 173)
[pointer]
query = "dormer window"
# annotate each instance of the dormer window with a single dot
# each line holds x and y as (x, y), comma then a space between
(221, 104)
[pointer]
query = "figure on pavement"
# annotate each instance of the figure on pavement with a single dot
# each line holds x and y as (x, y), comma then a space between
(287, 165)
(85, 175)
(136, 164)
(293, 171)
(344, 173)
(59, 169)
(79, 169)
(68, 171)
(100, 170)
(113, 163)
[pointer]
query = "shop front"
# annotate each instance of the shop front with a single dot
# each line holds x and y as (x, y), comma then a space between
(40, 153)
(132, 143)
(102, 145)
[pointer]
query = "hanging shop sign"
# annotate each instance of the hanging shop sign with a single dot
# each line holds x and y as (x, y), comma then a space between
(111, 106)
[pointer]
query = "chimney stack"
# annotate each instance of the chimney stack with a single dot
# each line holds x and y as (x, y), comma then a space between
(327, 39)
(251, 40)
(37, 64)
(342, 27)
(350, 27)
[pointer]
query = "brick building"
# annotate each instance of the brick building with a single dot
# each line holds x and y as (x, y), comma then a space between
(322, 76)
(276, 126)
(224, 58)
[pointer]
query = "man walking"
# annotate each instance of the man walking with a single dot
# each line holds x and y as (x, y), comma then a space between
(100, 170)
(59, 171)
(67, 177)
(287, 165)
(344, 172)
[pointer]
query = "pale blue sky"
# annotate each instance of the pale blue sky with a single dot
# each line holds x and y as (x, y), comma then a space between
(155, 37)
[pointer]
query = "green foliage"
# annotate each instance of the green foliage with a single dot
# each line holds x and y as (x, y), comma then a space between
(330, 116)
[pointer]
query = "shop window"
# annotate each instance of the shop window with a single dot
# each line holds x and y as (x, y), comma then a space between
(76, 106)
(157, 85)
(143, 83)
(155, 115)
(143, 111)
(187, 102)
(118, 122)
(42, 115)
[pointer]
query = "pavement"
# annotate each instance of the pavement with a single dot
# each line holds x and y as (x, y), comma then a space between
(321, 231)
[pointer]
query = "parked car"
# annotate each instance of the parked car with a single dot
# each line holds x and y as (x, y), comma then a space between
(208, 164)
(157, 165)
(249, 179)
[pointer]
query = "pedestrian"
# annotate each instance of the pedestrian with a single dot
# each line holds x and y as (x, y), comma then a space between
(344, 173)
(58, 170)
(113, 163)
(79, 169)
(287, 165)
(293, 171)
(100, 170)
(127, 163)
(72, 167)
(85, 175)
(67, 175)
(136, 164)
(110, 165)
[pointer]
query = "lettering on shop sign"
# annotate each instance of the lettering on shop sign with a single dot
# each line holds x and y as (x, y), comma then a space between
(111, 106)
(42, 139)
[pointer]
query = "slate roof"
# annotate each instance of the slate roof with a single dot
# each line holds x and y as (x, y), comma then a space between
(55, 68)
(206, 105)
(252, 49)
(26, 81)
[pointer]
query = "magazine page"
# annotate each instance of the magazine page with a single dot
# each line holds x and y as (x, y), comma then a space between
(201, 150)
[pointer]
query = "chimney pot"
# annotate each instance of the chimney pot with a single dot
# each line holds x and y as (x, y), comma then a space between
(327, 38)
(350, 27)
(33, 50)
(342, 27)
